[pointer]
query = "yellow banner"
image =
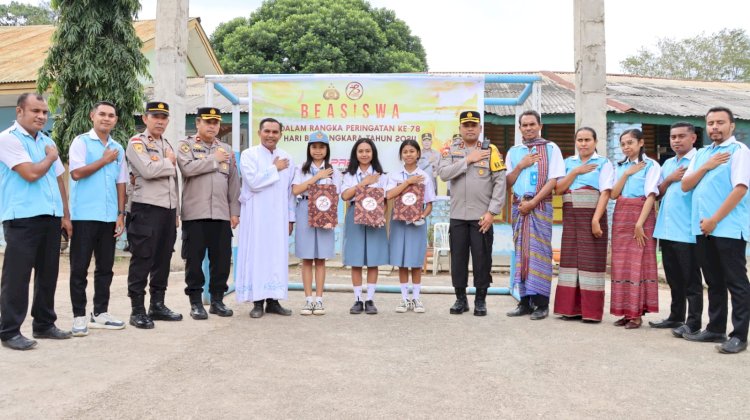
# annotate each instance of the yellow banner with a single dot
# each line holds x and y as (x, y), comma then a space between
(386, 108)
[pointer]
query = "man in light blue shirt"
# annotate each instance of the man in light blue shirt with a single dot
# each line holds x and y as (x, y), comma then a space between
(98, 172)
(676, 238)
(34, 209)
(719, 176)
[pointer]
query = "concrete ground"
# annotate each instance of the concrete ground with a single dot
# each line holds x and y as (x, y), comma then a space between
(431, 365)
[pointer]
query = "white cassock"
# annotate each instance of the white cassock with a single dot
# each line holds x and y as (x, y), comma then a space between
(267, 207)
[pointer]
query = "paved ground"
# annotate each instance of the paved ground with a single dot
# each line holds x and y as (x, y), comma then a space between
(431, 365)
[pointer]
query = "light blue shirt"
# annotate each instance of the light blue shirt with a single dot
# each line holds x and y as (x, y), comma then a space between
(94, 198)
(600, 178)
(527, 180)
(20, 198)
(716, 185)
(641, 183)
(675, 208)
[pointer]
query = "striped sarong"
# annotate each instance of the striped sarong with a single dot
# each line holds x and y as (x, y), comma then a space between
(583, 258)
(635, 290)
(532, 235)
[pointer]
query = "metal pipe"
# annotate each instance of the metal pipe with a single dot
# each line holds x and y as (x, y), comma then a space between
(512, 78)
(392, 288)
(227, 94)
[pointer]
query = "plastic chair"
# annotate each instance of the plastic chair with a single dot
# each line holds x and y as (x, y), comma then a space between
(440, 243)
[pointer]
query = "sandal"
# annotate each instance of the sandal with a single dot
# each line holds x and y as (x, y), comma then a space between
(621, 322)
(633, 324)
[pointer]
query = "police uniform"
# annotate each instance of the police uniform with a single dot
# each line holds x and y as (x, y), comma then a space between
(210, 197)
(152, 228)
(475, 189)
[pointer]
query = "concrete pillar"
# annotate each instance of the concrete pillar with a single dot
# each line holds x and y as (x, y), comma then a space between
(170, 80)
(591, 72)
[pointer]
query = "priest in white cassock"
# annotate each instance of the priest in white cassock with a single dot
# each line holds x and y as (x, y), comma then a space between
(267, 214)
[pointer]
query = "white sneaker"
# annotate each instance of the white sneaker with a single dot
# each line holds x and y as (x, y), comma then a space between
(105, 321)
(403, 306)
(319, 309)
(80, 329)
(418, 306)
(308, 308)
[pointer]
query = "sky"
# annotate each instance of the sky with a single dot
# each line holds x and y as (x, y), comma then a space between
(520, 35)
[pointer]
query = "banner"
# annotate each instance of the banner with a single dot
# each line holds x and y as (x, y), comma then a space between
(386, 108)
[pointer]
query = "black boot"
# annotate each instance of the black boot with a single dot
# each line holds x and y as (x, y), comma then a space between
(274, 307)
(138, 317)
(480, 302)
(158, 310)
(257, 310)
(218, 308)
(462, 304)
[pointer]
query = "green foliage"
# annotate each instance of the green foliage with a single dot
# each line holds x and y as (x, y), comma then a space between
(20, 14)
(318, 36)
(95, 55)
(724, 55)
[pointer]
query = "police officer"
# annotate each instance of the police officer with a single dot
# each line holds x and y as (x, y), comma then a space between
(477, 180)
(152, 229)
(210, 210)
(34, 207)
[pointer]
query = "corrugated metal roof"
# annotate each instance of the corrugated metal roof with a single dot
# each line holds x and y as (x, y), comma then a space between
(624, 94)
(24, 48)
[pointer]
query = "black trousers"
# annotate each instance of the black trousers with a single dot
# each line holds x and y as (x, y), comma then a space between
(724, 268)
(97, 239)
(684, 278)
(32, 242)
(464, 238)
(199, 236)
(151, 236)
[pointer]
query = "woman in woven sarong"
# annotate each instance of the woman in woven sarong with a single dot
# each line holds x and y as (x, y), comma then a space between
(583, 261)
(634, 276)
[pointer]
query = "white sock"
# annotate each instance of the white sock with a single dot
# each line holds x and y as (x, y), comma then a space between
(405, 291)
(357, 292)
(319, 299)
(309, 299)
(416, 288)
(370, 290)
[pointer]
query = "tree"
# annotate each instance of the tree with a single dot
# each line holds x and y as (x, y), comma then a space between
(724, 55)
(20, 14)
(318, 36)
(95, 55)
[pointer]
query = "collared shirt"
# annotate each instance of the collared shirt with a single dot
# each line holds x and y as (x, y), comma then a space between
(300, 177)
(716, 185)
(526, 181)
(396, 178)
(350, 180)
(95, 197)
(675, 207)
(210, 189)
(602, 178)
(155, 175)
(20, 198)
(641, 183)
(476, 188)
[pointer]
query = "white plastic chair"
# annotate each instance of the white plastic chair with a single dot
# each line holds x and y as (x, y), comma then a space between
(440, 243)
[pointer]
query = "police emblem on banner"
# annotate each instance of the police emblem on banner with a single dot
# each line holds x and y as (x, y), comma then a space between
(408, 206)
(369, 206)
(322, 206)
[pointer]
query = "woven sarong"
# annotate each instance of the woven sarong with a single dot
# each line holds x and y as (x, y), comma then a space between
(532, 236)
(583, 258)
(635, 290)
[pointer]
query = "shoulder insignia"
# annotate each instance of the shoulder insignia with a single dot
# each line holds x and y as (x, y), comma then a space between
(138, 147)
(184, 148)
(137, 138)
